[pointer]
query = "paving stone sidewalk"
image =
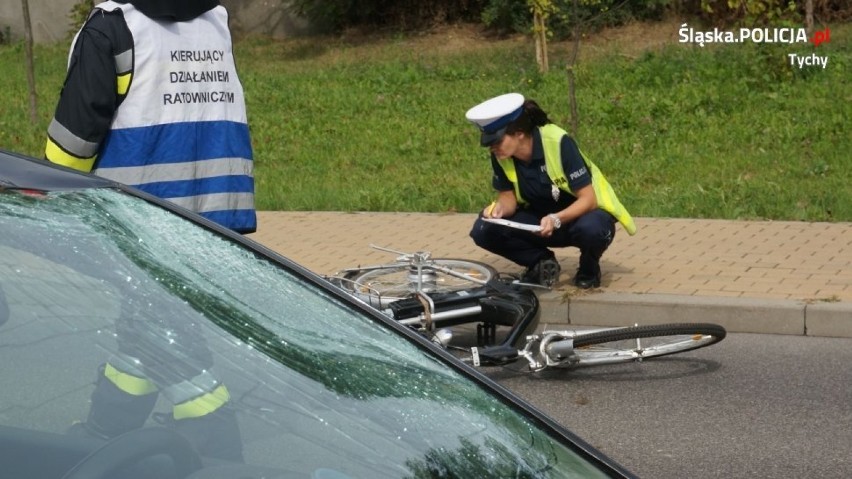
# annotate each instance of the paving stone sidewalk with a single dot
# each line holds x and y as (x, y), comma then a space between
(753, 276)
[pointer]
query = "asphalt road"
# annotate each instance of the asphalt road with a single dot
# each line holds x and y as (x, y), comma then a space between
(751, 406)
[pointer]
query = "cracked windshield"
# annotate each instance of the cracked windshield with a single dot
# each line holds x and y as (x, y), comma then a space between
(103, 295)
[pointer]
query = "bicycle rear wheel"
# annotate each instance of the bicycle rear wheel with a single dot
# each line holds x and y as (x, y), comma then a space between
(636, 343)
(389, 283)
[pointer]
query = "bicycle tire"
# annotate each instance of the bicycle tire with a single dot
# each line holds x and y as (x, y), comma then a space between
(624, 344)
(389, 283)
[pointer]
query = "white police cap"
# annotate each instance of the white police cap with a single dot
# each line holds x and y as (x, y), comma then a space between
(492, 116)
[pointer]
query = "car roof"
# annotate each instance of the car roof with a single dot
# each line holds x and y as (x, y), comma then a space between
(21, 172)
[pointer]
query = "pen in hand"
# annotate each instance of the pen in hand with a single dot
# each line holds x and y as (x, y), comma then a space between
(490, 209)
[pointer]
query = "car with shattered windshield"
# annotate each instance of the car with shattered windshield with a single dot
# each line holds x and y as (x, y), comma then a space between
(140, 340)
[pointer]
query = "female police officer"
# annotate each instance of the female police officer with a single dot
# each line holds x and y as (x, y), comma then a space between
(543, 179)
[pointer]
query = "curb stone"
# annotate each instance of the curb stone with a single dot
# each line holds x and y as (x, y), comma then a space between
(741, 315)
(829, 319)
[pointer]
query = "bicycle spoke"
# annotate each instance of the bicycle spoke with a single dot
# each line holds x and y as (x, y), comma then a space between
(642, 342)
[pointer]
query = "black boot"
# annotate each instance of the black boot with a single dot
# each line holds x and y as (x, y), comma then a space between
(545, 272)
(589, 273)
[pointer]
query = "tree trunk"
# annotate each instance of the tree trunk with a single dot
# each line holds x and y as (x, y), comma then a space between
(540, 35)
(572, 97)
(28, 41)
(809, 16)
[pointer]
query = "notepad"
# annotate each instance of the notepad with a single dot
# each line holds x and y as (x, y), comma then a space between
(513, 224)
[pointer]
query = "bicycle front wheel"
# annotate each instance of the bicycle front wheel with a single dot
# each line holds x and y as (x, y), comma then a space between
(390, 283)
(636, 343)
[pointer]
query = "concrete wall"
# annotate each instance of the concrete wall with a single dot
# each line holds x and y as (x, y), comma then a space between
(49, 19)
(51, 22)
(264, 17)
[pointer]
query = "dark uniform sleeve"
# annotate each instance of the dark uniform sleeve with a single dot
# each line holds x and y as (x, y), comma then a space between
(574, 165)
(89, 97)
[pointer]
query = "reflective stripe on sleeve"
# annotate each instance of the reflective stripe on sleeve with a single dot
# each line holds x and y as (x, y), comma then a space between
(57, 155)
(124, 62)
(123, 71)
(72, 143)
(130, 384)
(202, 405)
(123, 83)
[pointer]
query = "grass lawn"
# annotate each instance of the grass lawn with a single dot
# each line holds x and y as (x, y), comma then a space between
(356, 123)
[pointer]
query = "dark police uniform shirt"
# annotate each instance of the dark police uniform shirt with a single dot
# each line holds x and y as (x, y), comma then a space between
(533, 182)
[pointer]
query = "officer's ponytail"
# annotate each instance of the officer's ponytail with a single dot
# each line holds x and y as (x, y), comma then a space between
(531, 117)
(537, 116)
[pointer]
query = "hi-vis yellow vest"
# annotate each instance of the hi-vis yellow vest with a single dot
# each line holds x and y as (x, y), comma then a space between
(551, 137)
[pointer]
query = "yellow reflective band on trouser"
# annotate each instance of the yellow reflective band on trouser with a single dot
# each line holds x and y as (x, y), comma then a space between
(202, 405)
(57, 155)
(123, 83)
(128, 383)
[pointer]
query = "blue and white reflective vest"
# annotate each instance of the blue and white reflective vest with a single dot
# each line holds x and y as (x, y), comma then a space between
(181, 132)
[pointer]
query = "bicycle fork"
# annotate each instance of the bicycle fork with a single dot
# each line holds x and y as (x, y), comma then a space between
(553, 349)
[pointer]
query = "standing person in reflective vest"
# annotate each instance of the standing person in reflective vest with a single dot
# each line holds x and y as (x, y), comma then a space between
(152, 99)
(543, 179)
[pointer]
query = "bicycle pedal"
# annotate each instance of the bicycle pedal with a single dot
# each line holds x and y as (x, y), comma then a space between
(474, 355)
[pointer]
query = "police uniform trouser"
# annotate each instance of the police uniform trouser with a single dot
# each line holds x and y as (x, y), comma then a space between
(592, 233)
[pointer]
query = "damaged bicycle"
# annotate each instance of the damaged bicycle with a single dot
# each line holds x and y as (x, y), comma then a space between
(434, 295)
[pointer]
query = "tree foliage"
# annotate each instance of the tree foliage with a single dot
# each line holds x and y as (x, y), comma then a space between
(513, 16)
(751, 12)
(332, 15)
(541, 10)
(768, 12)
